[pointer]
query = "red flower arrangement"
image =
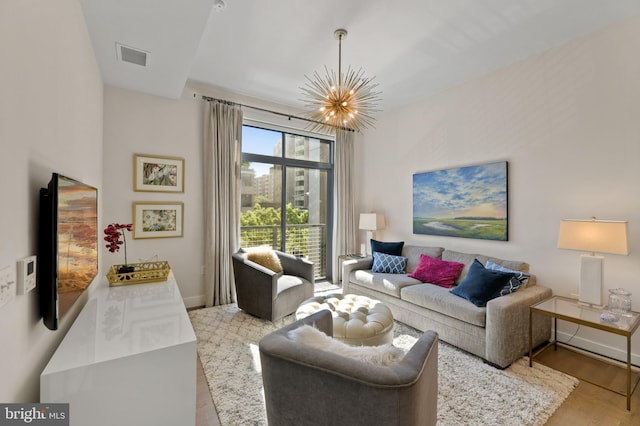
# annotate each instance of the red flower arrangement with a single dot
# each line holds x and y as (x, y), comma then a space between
(113, 232)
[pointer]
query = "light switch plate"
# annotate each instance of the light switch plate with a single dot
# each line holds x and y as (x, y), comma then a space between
(7, 285)
(26, 274)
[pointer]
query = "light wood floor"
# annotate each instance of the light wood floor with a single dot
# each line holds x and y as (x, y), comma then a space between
(205, 410)
(588, 405)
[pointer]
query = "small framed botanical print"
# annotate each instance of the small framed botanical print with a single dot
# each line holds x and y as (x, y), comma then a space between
(157, 220)
(158, 174)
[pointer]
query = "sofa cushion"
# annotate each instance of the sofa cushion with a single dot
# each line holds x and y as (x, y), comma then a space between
(436, 271)
(392, 248)
(481, 284)
(385, 283)
(440, 299)
(468, 259)
(387, 263)
(412, 253)
(518, 280)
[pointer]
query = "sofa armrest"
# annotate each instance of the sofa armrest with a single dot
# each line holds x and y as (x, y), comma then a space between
(256, 286)
(353, 265)
(322, 320)
(292, 265)
(507, 325)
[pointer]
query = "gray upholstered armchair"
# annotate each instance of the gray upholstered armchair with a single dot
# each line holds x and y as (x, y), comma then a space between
(309, 387)
(272, 295)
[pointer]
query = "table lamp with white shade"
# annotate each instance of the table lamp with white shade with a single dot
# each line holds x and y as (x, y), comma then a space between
(601, 236)
(371, 222)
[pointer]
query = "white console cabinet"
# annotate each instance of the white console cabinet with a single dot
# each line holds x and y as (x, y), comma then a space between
(128, 359)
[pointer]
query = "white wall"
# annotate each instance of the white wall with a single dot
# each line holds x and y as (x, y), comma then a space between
(139, 123)
(50, 121)
(145, 124)
(567, 121)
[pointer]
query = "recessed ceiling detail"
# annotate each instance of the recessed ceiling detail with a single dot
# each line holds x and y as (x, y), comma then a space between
(263, 49)
(168, 31)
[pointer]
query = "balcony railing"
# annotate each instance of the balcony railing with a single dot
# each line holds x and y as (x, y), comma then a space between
(301, 240)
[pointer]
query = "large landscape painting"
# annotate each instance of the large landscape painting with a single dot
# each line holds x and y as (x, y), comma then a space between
(467, 202)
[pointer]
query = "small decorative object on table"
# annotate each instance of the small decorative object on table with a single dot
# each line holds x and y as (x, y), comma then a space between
(113, 233)
(620, 302)
(146, 272)
(134, 273)
(608, 317)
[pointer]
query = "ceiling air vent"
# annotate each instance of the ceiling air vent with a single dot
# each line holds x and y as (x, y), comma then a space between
(131, 55)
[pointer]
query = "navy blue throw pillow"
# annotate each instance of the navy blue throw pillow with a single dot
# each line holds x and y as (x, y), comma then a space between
(481, 285)
(394, 249)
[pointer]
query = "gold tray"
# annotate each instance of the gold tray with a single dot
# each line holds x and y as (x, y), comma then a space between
(146, 272)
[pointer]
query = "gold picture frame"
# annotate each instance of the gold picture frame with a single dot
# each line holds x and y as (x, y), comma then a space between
(153, 173)
(158, 220)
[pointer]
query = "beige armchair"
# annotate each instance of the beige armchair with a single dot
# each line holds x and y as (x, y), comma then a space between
(272, 295)
(309, 387)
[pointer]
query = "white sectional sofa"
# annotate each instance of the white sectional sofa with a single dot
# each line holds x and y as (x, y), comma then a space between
(498, 333)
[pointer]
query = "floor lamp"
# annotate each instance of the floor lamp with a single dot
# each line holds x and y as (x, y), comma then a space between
(370, 222)
(602, 236)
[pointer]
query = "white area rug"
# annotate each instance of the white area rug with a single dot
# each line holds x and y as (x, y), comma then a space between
(470, 392)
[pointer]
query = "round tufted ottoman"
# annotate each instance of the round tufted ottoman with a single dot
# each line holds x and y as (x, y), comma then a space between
(357, 320)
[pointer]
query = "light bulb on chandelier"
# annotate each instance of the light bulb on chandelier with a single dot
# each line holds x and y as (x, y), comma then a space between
(343, 100)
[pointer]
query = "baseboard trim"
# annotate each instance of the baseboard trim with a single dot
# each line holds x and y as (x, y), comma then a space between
(596, 348)
(194, 301)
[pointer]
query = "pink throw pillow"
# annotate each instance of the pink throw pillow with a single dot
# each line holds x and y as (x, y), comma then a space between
(436, 271)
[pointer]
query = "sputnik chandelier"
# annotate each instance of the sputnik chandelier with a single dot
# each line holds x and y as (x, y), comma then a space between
(344, 101)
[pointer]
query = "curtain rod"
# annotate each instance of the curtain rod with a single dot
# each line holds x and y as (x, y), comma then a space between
(289, 116)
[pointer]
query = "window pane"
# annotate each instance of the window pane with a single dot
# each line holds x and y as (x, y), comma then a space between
(261, 195)
(305, 148)
(307, 214)
(261, 141)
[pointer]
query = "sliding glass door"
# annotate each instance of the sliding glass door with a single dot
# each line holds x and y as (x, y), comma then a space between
(283, 172)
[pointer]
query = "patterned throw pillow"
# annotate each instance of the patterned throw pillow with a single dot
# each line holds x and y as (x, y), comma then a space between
(519, 279)
(388, 264)
(442, 273)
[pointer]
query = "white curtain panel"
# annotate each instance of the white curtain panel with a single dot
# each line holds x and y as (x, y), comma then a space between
(345, 225)
(222, 156)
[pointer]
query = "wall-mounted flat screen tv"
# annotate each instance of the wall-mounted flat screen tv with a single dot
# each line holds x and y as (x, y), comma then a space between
(68, 245)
